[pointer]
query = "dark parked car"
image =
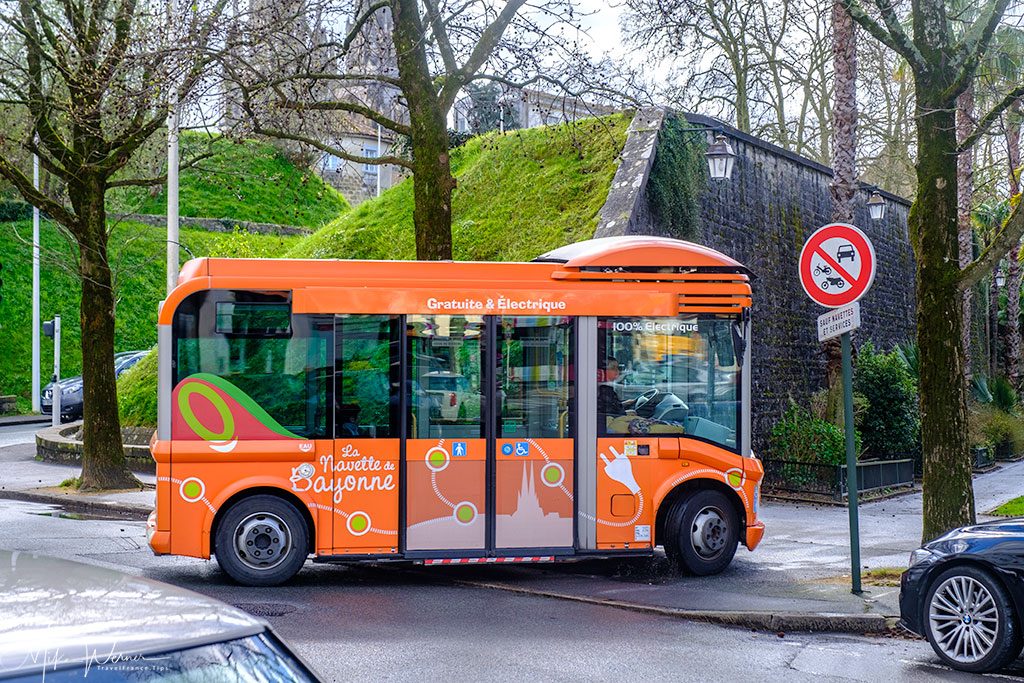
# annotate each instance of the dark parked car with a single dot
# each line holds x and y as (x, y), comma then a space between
(964, 592)
(64, 621)
(71, 388)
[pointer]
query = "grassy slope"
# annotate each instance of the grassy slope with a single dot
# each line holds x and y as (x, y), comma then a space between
(519, 195)
(248, 181)
(137, 253)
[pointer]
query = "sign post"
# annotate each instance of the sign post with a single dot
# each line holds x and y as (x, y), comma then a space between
(837, 267)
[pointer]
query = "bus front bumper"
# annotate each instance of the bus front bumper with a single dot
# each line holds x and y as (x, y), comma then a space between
(159, 541)
(755, 532)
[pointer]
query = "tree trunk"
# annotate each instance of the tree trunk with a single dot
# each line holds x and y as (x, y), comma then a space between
(103, 464)
(432, 191)
(1013, 316)
(947, 487)
(964, 193)
(1013, 360)
(432, 176)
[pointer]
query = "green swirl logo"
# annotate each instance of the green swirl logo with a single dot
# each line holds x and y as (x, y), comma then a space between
(218, 404)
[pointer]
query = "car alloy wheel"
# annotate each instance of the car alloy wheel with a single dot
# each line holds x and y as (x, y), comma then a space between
(964, 620)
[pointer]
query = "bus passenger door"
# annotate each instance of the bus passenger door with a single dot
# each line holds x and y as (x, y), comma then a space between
(362, 473)
(446, 449)
(533, 435)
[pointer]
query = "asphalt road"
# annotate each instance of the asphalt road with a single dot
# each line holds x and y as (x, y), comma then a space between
(393, 624)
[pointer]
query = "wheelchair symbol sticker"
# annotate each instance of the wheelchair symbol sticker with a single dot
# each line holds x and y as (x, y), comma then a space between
(459, 449)
(506, 449)
(522, 448)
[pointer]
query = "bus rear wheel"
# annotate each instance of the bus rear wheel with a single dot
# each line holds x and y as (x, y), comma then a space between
(702, 532)
(261, 541)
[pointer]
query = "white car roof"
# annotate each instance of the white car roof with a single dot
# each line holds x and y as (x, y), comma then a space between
(56, 613)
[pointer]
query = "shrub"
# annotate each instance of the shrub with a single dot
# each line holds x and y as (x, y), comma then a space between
(14, 210)
(801, 437)
(890, 423)
(1002, 430)
(137, 393)
(1004, 396)
(911, 357)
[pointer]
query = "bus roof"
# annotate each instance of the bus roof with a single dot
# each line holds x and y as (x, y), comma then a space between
(636, 275)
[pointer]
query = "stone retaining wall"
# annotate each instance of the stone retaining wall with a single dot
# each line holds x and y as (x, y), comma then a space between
(8, 404)
(63, 445)
(761, 217)
(218, 224)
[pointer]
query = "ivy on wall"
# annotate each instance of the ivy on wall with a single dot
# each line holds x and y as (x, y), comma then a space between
(678, 177)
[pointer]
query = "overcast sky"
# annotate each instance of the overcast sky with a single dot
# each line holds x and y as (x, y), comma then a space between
(602, 26)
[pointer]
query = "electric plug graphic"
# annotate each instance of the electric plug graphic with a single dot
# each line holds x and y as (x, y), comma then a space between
(621, 470)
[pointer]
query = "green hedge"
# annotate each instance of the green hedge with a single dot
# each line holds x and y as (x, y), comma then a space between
(889, 423)
(136, 253)
(137, 393)
(519, 194)
(801, 437)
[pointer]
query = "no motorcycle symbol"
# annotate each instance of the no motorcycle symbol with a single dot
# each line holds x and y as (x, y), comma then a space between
(837, 265)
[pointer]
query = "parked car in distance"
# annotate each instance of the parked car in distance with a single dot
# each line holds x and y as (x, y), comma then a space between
(964, 592)
(71, 388)
(447, 391)
(64, 621)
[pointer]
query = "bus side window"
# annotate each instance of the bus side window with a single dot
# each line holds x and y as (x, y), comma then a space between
(445, 376)
(366, 377)
(258, 352)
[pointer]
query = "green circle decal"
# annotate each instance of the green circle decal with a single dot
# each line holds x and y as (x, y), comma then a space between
(552, 475)
(437, 458)
(465, 513)
(218, 404)
(359, 522)
(735, 478)
(192, 490)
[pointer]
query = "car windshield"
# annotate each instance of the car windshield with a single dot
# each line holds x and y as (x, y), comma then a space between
(256, 659)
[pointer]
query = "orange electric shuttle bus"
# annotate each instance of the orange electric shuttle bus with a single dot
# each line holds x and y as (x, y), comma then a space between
(592, 403)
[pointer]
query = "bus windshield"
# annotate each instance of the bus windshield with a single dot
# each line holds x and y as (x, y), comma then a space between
(670, 376)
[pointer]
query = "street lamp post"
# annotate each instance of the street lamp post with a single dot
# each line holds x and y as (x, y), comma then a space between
(36, 405)
(173, 122)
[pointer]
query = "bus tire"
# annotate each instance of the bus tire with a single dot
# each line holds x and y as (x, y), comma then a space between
(261, 541)
(702, 532)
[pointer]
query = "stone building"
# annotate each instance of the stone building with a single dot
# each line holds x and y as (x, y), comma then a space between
(761, 217)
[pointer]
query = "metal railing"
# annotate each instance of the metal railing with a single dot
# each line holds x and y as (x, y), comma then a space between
(830, 480)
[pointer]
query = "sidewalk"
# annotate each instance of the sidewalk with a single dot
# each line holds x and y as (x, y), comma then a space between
(24, 478)
(798, 579)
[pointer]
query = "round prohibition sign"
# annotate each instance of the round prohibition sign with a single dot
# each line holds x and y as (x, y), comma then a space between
(837, 265)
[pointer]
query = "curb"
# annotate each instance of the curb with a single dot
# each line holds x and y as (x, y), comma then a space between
(72, 504)
(765, 621)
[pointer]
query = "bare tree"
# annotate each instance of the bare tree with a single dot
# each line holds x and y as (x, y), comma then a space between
(401, 64)
(91, 79)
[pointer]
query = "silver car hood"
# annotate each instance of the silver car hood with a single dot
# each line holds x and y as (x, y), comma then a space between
(54, 613)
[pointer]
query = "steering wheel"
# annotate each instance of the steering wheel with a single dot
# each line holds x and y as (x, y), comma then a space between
(643, 398)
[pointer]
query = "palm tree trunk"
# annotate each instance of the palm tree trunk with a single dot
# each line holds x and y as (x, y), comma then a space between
(964, 192)
(844, 169)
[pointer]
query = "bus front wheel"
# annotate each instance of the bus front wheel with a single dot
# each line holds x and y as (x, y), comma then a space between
(702, 532)
(261, 541)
